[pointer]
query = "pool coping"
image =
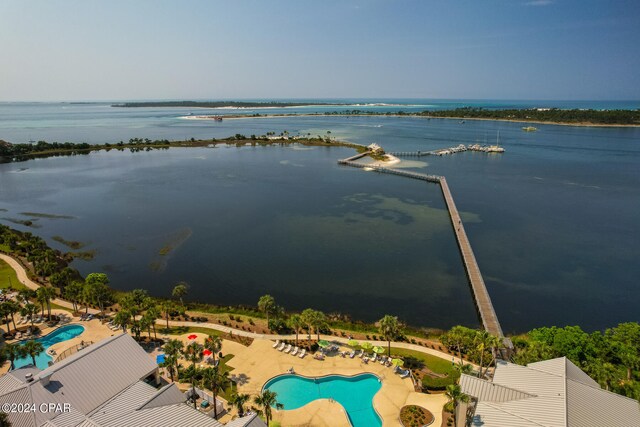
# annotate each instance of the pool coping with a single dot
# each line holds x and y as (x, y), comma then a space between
(333, 375)
(21, 341)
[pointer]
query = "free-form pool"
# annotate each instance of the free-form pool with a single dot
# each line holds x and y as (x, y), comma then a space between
(355, 394)
(61, 334)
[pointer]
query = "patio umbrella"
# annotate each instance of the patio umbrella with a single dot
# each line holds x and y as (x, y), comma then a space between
(206, 352)
(192, 337)
(353, 343)
(378, 349)
(323, 343)
(366, 345)
(397, 363)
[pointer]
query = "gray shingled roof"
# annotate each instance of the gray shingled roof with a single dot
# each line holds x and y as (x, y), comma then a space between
(560, 395)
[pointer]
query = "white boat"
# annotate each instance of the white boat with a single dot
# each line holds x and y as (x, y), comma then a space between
(496, 148)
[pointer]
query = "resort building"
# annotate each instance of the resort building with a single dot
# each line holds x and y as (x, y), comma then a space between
(552, 393)
(113, 383)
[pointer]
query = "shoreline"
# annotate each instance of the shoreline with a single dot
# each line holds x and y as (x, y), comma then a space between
(540, 122)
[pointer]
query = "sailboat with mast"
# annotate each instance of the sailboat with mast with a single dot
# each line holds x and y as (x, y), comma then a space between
(496, 148)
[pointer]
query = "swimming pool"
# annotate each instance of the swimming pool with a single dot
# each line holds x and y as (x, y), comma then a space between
(355, 394)
(61, 334)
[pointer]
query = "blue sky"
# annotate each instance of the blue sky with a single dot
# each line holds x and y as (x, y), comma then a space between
(156, 49)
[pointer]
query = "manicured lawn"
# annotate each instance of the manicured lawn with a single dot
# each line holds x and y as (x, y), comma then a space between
(434, 363)
(8, 277)
(179, 330)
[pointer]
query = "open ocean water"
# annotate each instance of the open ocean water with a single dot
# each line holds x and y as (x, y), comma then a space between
(553, 221)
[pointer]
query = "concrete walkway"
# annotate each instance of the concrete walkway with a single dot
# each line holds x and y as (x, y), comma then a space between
(24, 279)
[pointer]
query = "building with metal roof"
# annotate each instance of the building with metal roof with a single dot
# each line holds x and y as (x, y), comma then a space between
(113, 383)
(552, 393)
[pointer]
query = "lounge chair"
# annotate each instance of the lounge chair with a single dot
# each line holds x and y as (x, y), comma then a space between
(405, 374)
(373, 358)
(18, 335)
(295, 351)
(288, 349)
(282, 345)
(277, 343)
(383, 360)
(303, 353)
(352, 354)
(361, 356)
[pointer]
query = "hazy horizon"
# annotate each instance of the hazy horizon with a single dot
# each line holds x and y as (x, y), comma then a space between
(78, 51)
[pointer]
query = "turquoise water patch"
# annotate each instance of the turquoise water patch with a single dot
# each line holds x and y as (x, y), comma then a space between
(355, 394)
(64, 333)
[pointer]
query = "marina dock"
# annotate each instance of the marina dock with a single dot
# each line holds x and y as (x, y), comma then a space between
(481, 296)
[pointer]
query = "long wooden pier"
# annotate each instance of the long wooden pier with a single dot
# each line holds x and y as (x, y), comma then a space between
(481, 295)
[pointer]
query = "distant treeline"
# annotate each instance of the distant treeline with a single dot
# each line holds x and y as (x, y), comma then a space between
(600, 117)
(218, 104)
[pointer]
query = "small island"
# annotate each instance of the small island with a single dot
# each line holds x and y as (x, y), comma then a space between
(220, 104)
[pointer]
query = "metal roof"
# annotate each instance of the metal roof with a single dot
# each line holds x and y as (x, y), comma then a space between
(177, 415)
(489, 391)
(94, 375)
(247, 421)
(553, 393)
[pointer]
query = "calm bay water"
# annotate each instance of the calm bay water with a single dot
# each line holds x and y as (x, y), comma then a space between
(553, 221)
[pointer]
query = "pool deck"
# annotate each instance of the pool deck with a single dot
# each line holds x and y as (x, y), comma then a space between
(256, 364)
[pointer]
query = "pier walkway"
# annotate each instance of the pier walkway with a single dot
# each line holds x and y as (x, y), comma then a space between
(481, 295)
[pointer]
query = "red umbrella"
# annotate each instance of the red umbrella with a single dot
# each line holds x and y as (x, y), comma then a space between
(192, 337)
(206, 352)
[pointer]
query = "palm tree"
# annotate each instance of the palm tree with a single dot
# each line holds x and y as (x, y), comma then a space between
(12, 308)
(45, 294)
(73, 293)
(13, 352)
(173, 348)
(295, 322)
(213, 343)
(315, 320)
(41, 298)
(167, 308)
(5, 313)
(170, 364)
(390, 329)
(150, 317)
(26, 294)
(180, 290)
(99, 290)
(122, 319)
(4, 422)
(29, 310)
(485, 341)
(267, 399)
(238, 400)
(193, 354)
(455, 395)
(216, 381)
(267, 304)
(33, 348)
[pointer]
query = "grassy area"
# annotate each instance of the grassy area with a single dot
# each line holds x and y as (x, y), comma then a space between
(8, 277)
(180, 330)
(434, 363)
(416, 361)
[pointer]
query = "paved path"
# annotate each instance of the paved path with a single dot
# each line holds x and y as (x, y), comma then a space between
(24, 279)
(341, 340)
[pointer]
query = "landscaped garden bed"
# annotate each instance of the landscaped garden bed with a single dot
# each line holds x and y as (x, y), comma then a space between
(415, 416)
